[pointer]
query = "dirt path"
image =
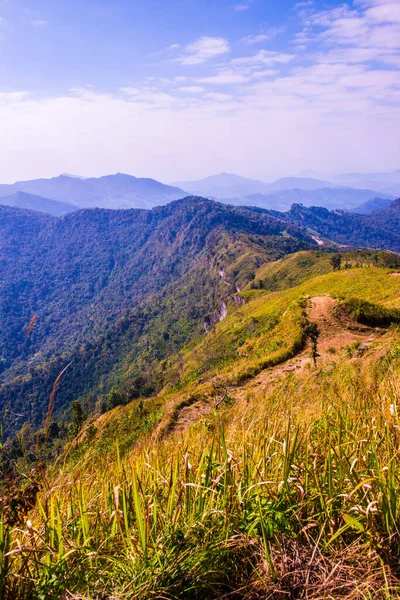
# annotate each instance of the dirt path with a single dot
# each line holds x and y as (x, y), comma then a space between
(336, 332)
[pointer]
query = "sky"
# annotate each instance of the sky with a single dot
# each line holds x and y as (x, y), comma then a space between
(182, 89)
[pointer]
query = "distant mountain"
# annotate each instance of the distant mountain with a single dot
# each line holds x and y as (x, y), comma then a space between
(267, 201)
(281, 194)
(372, 205)
(380, 229)
(388, 183)
(73, 176)
(38, 203)
(302, 183)
(225, 185)
(110, 191)
(332, 198)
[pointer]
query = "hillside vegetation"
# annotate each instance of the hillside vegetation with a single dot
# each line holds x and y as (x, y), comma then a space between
(108, 292)
(377, 230)
(266, 467)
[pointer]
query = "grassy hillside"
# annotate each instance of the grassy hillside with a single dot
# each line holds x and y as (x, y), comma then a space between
(252, 474)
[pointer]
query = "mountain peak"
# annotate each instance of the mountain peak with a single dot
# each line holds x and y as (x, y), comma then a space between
(71, 176)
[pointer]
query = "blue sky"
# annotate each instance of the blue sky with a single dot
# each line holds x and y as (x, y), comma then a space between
(179, 89)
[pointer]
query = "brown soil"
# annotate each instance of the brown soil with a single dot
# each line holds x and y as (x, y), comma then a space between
(336, 332)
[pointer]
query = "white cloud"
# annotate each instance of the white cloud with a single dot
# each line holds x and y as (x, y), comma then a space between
(252, 40)
(300, 5)
(131, 91)
(191, 89)
(277, 128)
(377, 26)
(264, 73)
(218, 97)
(240, 7)
(264, 57)
(225, 78)
(11, 98)
(384, 13)
(39, 22)
(203, 49)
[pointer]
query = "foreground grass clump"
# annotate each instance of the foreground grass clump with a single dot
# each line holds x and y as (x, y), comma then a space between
(290, 492)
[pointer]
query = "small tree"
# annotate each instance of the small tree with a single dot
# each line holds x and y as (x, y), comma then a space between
(336, 262)
(312, 332)
(77, 417)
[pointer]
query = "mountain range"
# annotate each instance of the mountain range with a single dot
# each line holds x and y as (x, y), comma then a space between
(122, 191)
(385, 183)
(282, 193)
(111, 191)
(227, 185)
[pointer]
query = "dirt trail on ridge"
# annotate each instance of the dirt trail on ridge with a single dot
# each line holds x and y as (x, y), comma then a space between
(336, 332)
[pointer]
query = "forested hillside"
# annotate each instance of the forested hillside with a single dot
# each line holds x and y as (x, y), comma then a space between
(381, 229)
(111, 293)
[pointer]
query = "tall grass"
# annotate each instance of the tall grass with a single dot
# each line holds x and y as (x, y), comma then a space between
(290, 492)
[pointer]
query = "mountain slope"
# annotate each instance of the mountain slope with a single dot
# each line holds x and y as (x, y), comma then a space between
(111, 191)
(99, 287)
(380, 229)
(38, 203)
(383, 182)
(371, 206)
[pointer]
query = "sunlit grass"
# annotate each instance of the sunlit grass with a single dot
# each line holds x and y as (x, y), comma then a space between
(308, 465)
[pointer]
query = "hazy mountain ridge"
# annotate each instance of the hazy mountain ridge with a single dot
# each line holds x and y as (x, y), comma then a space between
(37, 203)
(383, 182)
(371, 206)
(111, 191)
(123, 191)
(339, 198)
(281, 194)
(228, 185)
